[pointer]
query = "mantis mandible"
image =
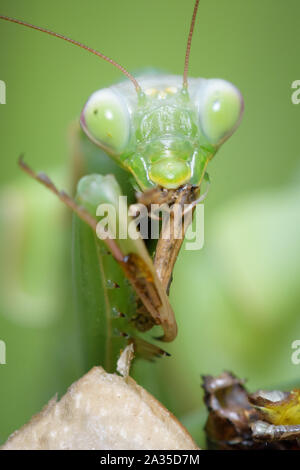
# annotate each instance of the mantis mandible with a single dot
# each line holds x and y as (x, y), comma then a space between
(163, 130)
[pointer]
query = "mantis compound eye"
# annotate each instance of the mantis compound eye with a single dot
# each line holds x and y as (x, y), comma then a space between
(105, 119)
(220, 107)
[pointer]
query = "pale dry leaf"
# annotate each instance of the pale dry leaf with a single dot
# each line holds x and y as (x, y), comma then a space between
(103, 411)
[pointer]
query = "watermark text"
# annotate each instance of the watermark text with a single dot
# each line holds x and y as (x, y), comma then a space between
(2, 92)
(2, 352)
(154, 222)
(296, 94)
(295, 357)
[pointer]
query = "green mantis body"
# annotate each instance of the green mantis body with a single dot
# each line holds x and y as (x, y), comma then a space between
(163, 131)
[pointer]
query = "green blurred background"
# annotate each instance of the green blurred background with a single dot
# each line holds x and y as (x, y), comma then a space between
(237, 300)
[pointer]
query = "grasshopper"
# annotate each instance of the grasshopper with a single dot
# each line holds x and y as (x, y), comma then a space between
(163, 130)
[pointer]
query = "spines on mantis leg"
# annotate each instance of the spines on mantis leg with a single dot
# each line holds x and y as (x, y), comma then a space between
(104, 299)
(99, 194)
(104, 294)
(105, 303)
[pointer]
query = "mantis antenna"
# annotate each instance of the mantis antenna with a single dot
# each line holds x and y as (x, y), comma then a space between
(188, 47)
(79, 44)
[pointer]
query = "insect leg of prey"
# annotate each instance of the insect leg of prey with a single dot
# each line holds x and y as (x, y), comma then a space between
(263, 431)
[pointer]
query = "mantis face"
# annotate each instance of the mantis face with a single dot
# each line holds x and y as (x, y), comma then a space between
(165, 135)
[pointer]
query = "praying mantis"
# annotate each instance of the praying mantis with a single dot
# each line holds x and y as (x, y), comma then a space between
(162, 130)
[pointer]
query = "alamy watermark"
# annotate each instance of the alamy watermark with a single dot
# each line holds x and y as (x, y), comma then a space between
(2, 352)
(295, 357)
(2, 92)
(160, 220)
(296, 94)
